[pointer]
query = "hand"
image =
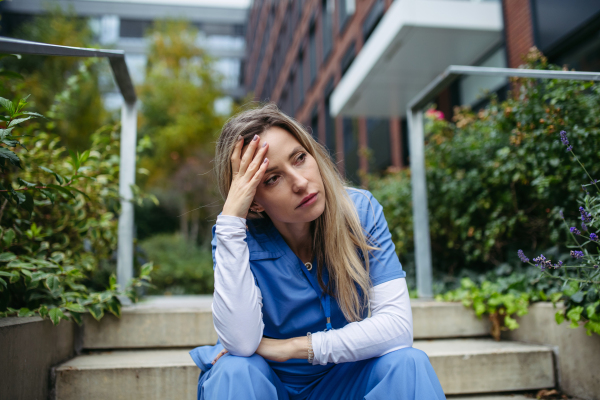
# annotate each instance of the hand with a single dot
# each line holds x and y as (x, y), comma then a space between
(222, 353)
(248, 171)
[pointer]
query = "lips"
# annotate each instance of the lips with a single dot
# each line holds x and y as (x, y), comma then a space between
(308, 199)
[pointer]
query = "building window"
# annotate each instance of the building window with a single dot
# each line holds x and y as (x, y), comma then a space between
(312, 53)
(351, 160)
(348, 57)
(378, 131)
(133, 28)
(372, 19)
(346, 8)
(327, 26)
(314, 123)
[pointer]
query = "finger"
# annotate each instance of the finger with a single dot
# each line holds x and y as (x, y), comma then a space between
(258, 159)
(236, 155)
(249, 154)
(260, 173)
(223, 352)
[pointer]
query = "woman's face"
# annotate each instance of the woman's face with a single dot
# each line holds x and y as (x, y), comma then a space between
(291, 191)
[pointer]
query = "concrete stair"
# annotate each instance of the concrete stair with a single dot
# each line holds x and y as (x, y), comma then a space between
(149, 359)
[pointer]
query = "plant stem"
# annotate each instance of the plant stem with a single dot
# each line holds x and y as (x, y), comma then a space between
(588, 174)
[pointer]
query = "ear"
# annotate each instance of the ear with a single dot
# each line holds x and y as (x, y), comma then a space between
(255, 207)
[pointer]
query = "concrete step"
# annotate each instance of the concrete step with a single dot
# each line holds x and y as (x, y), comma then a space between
(485, 366)
(462, 365)
(186, 321)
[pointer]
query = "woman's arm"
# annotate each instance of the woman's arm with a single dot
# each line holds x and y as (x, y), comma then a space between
(389, 328)
(237, 301)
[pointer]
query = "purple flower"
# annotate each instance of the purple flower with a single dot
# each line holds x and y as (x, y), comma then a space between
(593, 237)
(576, 254)
(563, 138)
(542, 263)
(561, 214)
(595, 266)
(558, 265)
(575, 231)
(585, 216)
(522, 256)
(570, 148)
(584, 226)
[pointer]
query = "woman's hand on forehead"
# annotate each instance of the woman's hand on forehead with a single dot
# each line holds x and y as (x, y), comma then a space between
(248, 170)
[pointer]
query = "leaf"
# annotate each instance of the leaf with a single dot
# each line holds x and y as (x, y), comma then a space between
(79, 191)
(3, 284)
(57, 176)
(559, 317)
(77, 318)
(56, 315)
(23, 182)
(10, 156)
(577, 297)
(43, 311)
(61, 189)
(114, 306)
(9, 236)
(33, 114)
(7, 256)
(11, 74)
(52, 283)
(8, 105)
(97, 311)
(15, 276)
(75, 307)
(48, 194)
(25, 312)
(17, 121)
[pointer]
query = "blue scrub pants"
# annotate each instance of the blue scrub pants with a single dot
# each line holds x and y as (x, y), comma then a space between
(404, 374)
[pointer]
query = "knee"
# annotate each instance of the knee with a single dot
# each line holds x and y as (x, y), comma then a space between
(240, 366)
(400, 360)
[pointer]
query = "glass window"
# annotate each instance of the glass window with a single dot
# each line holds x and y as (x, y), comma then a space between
(312, 54)
(327, 26)
(346, 8)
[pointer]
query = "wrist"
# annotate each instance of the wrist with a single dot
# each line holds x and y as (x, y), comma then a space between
(298, 347)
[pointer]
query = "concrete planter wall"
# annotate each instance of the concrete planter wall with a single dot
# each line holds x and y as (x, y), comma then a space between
(577, 355)
(29, 348)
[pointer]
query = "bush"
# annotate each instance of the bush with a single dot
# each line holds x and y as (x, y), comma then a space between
(496, 179)
(58, 224)
(181, 267)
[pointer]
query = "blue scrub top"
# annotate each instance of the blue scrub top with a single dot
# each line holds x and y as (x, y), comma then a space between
(291, 305)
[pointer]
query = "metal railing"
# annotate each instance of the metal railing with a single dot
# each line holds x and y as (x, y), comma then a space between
(417, 151)
(128, 134)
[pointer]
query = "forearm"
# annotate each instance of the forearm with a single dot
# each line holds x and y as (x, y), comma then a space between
(237, 301)
(388, 329)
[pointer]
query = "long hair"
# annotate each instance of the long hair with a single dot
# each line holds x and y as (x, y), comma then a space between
(338, 238)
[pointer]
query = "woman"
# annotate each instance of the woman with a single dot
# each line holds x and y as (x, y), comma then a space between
(299, 261)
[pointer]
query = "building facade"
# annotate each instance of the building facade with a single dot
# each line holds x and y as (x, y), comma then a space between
(122, 24)
(347, 68)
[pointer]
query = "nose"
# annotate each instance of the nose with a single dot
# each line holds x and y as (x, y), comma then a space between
(299, 182)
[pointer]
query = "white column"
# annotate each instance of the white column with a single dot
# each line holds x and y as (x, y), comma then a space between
(419, 200)
(126, 179)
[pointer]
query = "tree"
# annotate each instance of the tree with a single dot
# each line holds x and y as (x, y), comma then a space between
(81, 110)
(179, 117)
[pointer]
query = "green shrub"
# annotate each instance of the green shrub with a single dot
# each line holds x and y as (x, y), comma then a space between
(58, 224)
(181, 267)
(496, 178)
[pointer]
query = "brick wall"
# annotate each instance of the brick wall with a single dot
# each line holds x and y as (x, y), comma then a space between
(518, 30)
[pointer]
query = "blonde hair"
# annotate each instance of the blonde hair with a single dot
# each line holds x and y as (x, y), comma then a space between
(337, 233)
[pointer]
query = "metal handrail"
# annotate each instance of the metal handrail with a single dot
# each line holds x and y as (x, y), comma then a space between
(416, 136)
(128, 135)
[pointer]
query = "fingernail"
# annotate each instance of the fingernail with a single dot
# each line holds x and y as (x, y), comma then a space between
(240, 138)
(255, 138)
(265, 161)
(264, 144)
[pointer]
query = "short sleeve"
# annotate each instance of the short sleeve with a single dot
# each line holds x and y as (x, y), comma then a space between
(213, 244)
(384, 264)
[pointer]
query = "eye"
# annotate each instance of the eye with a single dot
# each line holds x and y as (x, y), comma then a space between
(271, 181)
(301, 157)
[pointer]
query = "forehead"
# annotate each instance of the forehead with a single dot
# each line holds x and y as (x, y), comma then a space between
(280, 142)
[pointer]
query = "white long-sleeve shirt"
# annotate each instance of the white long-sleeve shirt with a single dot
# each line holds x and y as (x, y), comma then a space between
(237, 308)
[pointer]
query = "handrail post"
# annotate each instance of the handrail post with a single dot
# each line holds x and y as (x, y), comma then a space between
(126, 179)
(419, 200)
